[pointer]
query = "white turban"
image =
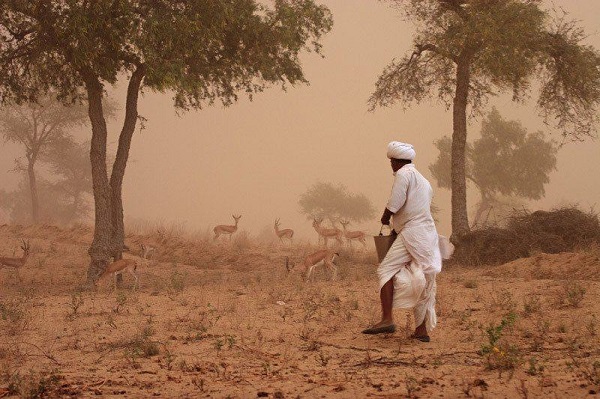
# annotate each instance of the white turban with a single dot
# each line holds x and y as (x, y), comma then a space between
(400, 150)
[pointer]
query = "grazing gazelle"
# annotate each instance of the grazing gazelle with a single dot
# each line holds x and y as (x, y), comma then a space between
(225, 229)
(322, 257)
(285, 233)
(118, 267)
(17, 262)
(327, 233)
(353, 235)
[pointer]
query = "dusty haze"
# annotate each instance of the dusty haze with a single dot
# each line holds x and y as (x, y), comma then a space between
(256, 158)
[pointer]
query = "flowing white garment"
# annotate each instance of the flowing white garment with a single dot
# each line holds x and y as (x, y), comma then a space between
(413, 288)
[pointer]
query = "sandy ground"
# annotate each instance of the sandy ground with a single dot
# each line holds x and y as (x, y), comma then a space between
(227, 320)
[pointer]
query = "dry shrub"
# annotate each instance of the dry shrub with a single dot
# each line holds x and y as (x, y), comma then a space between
(560, 230)
(490, 246)
(564, 229)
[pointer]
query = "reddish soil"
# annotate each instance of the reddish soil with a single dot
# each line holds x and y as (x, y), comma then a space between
(227, 320)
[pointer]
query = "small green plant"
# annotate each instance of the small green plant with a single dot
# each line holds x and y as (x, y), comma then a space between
(591, 326)
(323, 358)
(41, 263)
(16, 315)
(177, 281)
(168, 357)
(77, 301)
(471, 284)
(501, 355)
(121, 300)
(589, 369)
(502, 300)
(412, 386)
(218, 344)
(199, 383)
(562, 328)
(34, 385)
(574, 293)
(535, 368)
(267, 368)
(531, 305)
(230, 341)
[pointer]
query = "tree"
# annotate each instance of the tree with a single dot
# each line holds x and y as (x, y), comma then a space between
(64, 190)
(202, 51)
(325, 200)
(468, 50)
(504, 161)
(70, 165)
(36, 126)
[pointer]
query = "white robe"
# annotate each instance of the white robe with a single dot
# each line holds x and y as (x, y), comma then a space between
(416, 248)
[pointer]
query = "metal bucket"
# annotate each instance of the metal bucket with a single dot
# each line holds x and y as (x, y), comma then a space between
(383, 243)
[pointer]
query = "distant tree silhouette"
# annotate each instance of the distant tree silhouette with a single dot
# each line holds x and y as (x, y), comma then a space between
(36, 127)
(63, 186)
(334, 202)
(504, 164)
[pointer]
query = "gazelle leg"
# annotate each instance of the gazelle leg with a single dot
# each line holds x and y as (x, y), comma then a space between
(134, 274)
(332, 269)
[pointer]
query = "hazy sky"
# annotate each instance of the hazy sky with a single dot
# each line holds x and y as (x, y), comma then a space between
(256, 158)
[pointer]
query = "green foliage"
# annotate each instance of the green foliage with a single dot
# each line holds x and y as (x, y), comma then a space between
(506, 45)
(325, 200)
(505, 161)
(500, 354)
(201, 50)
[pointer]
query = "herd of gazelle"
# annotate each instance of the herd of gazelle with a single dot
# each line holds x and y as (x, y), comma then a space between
(324, 257)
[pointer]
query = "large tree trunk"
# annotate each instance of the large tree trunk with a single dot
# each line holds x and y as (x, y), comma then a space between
(35, 202)
(460, 220)
(118, 170)
(100, 250)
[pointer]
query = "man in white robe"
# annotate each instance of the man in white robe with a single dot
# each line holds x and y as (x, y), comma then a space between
(415, 247)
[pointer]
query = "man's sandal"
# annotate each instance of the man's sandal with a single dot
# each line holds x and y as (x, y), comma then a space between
(422, 338)
(380, 330)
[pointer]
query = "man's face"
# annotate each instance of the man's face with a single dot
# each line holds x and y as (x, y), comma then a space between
(396, 164)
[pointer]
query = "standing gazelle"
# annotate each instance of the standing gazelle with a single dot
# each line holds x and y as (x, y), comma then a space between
(17, 262)
(227, 229)
(324, 257)
(119, 267)
(285, 233)
(353, 235)
(327, 233)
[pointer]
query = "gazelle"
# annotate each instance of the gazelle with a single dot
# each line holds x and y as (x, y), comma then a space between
(322, 257)
(147, 251)
(17, 263)
(119, 267)
(285, 233)
(327, 233)
(225, 229)
(353, 235)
